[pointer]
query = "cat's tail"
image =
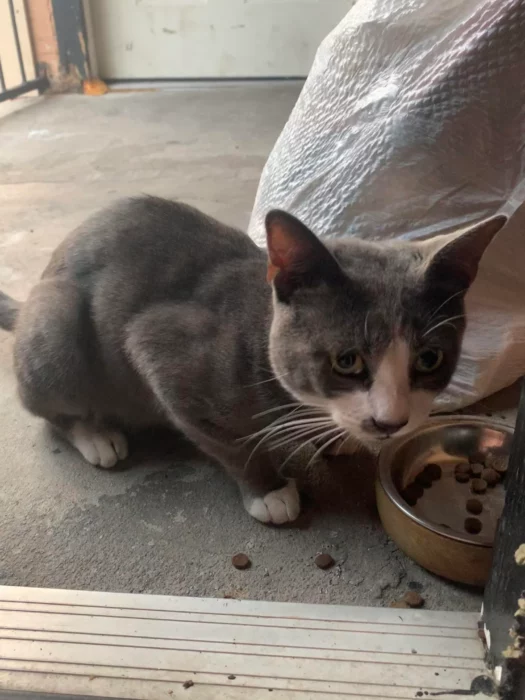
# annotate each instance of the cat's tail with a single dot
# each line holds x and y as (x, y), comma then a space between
(9, 309)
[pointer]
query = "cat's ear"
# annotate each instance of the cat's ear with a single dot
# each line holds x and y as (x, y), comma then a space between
(296, 257)
(453, 258)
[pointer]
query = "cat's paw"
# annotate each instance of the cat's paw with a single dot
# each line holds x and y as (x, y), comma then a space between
(102, 448)
(277, 507)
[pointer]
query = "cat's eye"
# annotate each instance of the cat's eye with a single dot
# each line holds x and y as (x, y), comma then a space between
(349, 363)
(428, 360)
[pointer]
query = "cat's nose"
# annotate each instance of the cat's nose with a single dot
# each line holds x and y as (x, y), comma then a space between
(387, 427)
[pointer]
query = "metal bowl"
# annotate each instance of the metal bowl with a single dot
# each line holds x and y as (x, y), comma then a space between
(432, 532)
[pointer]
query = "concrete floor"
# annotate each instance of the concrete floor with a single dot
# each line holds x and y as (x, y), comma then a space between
(171, 521)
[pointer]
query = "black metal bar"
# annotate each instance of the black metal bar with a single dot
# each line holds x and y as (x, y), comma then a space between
(507, 579)
(39, 84)
(17, 40)
(2, 81)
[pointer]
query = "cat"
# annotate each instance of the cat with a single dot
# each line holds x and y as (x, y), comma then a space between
(152, 313)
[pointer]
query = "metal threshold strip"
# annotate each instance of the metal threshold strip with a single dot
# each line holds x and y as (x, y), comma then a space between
(83, 644)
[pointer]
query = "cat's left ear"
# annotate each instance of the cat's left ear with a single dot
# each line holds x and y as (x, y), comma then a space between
(296, 257)
(453, 258)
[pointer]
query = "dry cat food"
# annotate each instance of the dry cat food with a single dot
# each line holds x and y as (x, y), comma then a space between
(478, 485)
(462, 468)
(241, 561)
(462, 472)
(491, 476)
(423, 480)
(474, 506)
(473, 526)
(497, 462)
(324, 561)
(411, 599)
(476, 469)
(412, 494)
(482, 471)
(433, 471)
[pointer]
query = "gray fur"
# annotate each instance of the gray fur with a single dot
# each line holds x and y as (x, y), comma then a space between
(9, 309)
(153, 313)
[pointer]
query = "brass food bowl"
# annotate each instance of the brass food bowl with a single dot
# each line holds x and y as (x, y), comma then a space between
(432, 530)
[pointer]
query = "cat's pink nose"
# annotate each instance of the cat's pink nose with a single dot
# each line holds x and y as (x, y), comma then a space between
(384, 427)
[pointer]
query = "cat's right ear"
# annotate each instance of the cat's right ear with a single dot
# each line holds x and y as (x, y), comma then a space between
(296, 257)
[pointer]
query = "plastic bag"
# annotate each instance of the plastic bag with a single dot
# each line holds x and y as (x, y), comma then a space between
(412, 123)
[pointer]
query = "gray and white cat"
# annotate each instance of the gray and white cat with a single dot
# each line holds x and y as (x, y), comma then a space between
(153, 313)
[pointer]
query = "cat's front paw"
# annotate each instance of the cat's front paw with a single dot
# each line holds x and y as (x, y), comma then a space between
(277, 507)
(102, 448)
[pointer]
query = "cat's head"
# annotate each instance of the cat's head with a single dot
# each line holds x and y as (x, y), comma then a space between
(369, 332)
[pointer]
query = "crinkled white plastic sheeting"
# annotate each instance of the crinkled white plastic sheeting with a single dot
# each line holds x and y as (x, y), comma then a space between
(412, 122)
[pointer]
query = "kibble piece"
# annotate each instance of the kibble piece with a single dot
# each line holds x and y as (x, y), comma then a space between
(476, 469)
(462, 477)
(474, 506)
(462, 468)
(188, 684)
(231, 677)
(324, 561)
(478, 485)
(433, 471)
(241, 561)
(473, 526)
(413, 599)
(423, 479)
(497, 462)
(491, 476)
(412, 494)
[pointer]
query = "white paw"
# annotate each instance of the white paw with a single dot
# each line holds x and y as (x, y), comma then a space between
(277, 507)
(102, 448)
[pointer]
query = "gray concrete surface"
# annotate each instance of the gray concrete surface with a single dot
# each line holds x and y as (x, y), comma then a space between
(171, 521)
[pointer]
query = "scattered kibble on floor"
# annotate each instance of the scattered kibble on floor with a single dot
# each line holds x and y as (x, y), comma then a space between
(414, 599)
(324, 561)
(241, 561)
(411, 599)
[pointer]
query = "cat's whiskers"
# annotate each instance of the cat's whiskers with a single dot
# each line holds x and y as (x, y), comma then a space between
(278, 408)
(342, 444)
(298, 434)
(446, 321)
(265, 381)
(309, 442)
(296, 414)
(326, 444)
(280, 430)
(282, 427)
(452, 296)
